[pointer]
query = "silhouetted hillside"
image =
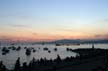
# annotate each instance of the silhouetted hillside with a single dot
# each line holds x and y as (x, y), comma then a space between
(66, 41)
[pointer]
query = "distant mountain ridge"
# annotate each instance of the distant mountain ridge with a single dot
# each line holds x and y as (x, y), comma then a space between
(64, 41)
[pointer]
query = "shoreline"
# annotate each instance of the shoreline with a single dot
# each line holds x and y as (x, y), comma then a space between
(93, 57)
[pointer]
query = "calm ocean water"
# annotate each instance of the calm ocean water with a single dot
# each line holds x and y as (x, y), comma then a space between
(10, 58)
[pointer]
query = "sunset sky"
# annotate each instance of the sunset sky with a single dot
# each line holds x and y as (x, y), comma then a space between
(43, 20)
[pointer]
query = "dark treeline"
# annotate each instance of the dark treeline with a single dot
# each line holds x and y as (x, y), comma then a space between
(52, 65)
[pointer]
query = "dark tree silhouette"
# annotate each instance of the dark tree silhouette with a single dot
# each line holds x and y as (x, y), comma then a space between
(58, 59)
(25, 67)
(2, 67)
(17, 65)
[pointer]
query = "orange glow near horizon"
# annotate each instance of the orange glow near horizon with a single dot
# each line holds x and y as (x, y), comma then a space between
(46, 20)
(27, 36)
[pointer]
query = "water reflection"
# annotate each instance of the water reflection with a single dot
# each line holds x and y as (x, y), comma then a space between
(42, 51)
